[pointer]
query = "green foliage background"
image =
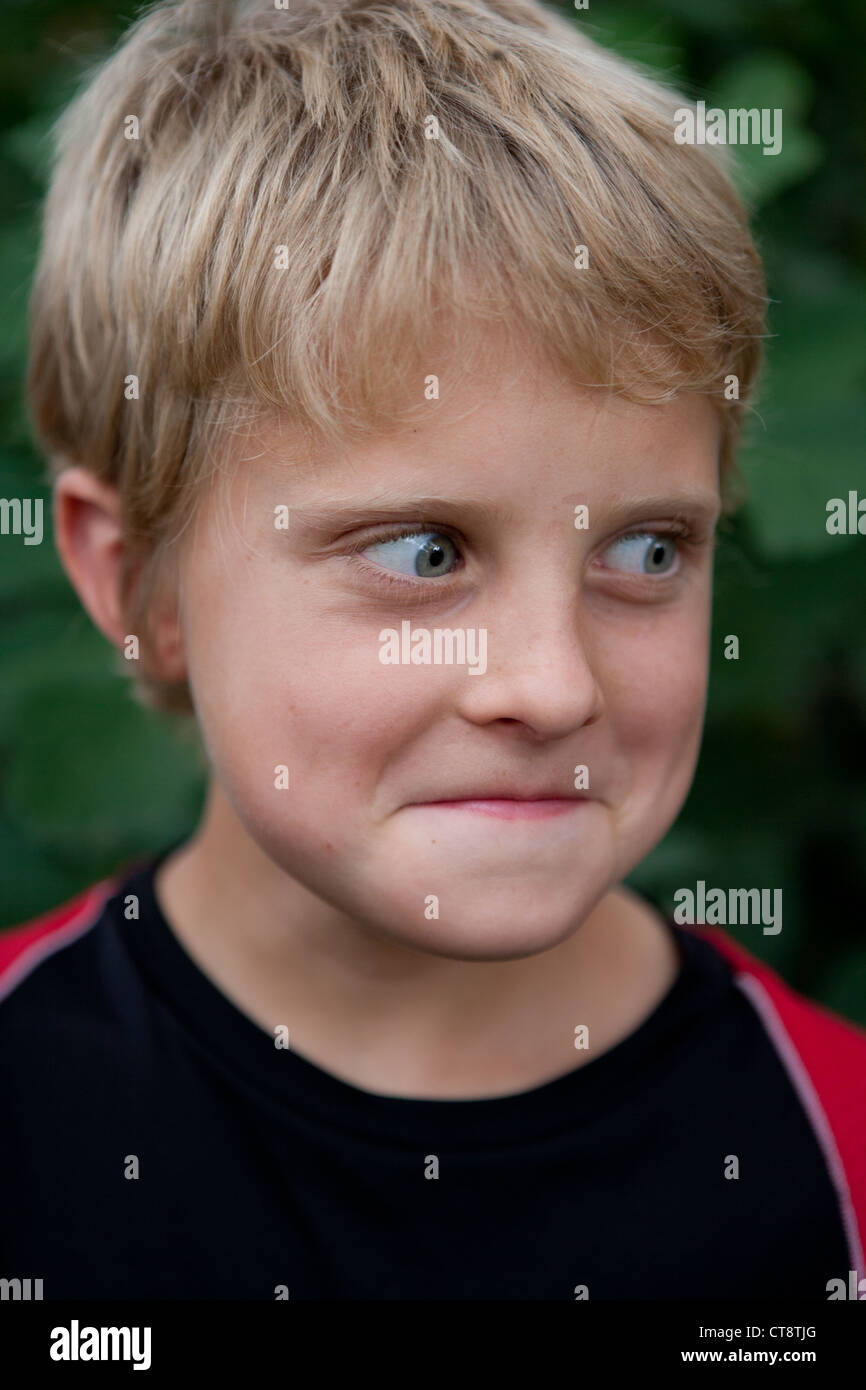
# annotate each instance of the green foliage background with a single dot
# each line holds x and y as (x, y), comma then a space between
(90, 780)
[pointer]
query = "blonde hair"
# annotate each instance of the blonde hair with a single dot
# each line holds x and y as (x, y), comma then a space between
(309, 129)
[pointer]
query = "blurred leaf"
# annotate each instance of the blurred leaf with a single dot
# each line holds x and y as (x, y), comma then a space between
(754, 859)
(769, 81)
(788, 619)
(17, 259)
(844, 988)
(635, 34)
(804, 443)
(798, 469)
(47, 645)
(27, 571)
(112, 782)
(28, 146)
(24, 868)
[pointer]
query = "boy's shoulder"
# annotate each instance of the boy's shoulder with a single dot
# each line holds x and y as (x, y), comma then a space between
(70, 967)
(825, 1035)
(72, 1001)
(831, 1044)
(824, 1055)
(815, 1044)
(831, 1048)
(24, 947)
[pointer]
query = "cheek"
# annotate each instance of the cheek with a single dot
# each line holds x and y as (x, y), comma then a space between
(657, 683)
(655, 703)
(278, 682)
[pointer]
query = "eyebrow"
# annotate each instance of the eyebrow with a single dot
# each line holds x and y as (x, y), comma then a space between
(701, 505)
(387, 506)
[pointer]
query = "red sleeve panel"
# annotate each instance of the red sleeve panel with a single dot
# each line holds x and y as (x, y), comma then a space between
(825, 1057)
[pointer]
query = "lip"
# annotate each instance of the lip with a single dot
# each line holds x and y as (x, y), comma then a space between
(511, 808)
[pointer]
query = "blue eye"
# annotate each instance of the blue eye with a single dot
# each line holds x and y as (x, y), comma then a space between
(422, 554)
(646, 552)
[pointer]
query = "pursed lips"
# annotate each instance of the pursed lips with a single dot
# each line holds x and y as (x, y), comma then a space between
(510, 805)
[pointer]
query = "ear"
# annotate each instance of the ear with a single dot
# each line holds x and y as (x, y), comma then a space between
(88, 533)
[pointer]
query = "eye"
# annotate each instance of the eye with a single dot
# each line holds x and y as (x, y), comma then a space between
(645, 552)
(422, 554)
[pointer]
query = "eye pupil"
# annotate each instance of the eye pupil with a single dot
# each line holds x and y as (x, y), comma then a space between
(431, 557)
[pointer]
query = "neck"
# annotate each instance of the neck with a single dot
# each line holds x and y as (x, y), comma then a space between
(395, 1020)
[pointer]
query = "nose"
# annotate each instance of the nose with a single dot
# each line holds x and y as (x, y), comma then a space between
(540, 669)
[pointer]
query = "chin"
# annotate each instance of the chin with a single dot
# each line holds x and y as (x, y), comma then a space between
(487, 931)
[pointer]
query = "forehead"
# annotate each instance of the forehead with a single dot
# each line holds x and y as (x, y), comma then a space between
(495, 419)
(506, 444)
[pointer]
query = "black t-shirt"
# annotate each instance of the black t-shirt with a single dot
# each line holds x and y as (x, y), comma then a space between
(261, 1175)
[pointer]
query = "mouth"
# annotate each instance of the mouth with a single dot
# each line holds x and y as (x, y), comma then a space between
(511, 807)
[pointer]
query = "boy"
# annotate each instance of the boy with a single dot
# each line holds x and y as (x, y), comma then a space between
(381, 351)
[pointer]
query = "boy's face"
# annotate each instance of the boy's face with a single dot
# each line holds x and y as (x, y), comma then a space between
(596, 656)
